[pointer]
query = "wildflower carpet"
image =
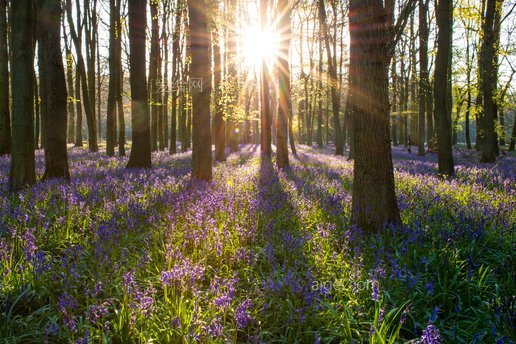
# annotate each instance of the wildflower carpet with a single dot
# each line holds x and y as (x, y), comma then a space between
(256, 256)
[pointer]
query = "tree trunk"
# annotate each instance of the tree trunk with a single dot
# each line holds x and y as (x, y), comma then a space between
(284, 86)
(153, 74)
(373, 196)
(140, 151)
(53, 89)
(81, 74)
(121, 117)
(489, 146)
(218, 120)
(175, 78)
(265, 142)
(332, 71)
(114, 76)
(201, 89)
(22, 170)
(442, 75)
(5, 117)
(423, 73)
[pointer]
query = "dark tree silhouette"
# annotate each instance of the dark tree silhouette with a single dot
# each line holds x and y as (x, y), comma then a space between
(114, 75)
(5, 117)
(141, 150)
(284, 86)
(53, 89)
(488, 70)
(200, 85)
(22, 169)
(441, 93)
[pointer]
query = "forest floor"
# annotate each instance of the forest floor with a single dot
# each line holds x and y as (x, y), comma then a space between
(257, 255)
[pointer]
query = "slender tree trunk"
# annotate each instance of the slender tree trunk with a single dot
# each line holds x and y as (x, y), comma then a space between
(81, 74)
(441, 76)
(175, 77)
(373, 196)
(121, 117)
(140, 151)
(489, 147)
(5, 116)
(513, 137)
(22, 170)
(201, 68)
(114, 77)
(332, 72)
(265, 142)
(218, 120)
(284, 86)
(423, 73)
(53, 89)
(153, 73)
(37, 114)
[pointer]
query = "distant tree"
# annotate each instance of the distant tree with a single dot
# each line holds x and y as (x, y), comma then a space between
(53, 89)
(441, 83)
(82, 77)
(200, 72)
(332, 71)
(284, 85)
(141, 146)
(5, 117)
(114, 74)
(22, 170)
(175, 75)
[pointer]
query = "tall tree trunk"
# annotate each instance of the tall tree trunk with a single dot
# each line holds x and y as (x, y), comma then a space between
(53, 89)
(71, 99)
(153, 73)
(201, 69)
(218, 119)
(140, 151)
(489, 147)
(319, 95)
(5, 117)
(468, 92)
(265, 142)
(114, 76)
(175, 77)
(284, 86)
(373, 196)
(423, 73)
(81, 74)
(442, 75)
(121, 117)
(332, 72)
(22, 170)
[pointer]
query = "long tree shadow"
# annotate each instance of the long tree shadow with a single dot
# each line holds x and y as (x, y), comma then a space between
(284, 269)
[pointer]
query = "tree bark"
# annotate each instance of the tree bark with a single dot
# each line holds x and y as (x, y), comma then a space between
(114, 75)
(373, 196)
(442, 75)
(201, 70)
(423, 73)
(219, 127)
(22, 170)
(53, 89)
(265, 142)
(140, 156)
(335, 89)
(489, 146)
(153, 73)
(5, 116)
(284, 86)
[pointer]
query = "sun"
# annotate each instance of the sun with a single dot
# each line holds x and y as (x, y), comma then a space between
(259, 45)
